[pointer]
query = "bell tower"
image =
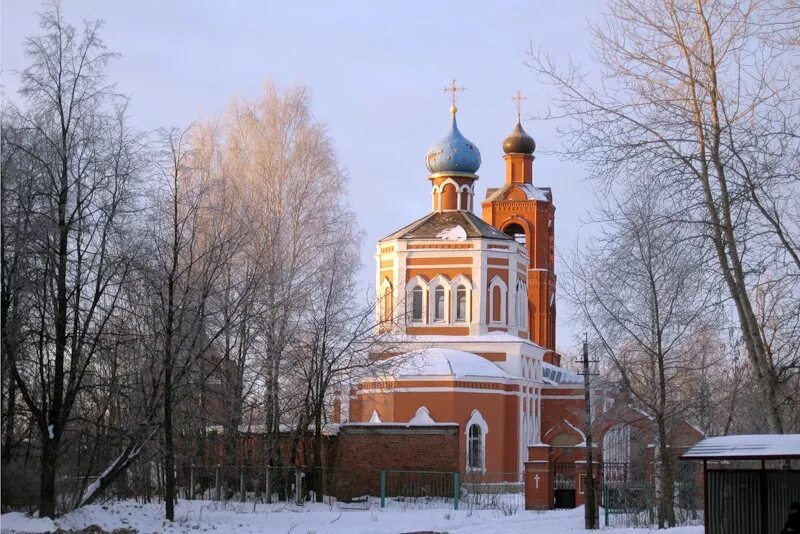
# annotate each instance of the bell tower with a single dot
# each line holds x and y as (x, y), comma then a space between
(526, 213)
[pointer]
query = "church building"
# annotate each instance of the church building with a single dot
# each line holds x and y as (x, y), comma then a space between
(473, 300)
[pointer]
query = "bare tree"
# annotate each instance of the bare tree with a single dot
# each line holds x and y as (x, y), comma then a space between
(194, 237)
(642, 294)
(695, 100)
(79, 173)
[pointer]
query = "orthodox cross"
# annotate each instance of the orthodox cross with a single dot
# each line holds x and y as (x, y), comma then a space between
(453, 89)
(518, 98)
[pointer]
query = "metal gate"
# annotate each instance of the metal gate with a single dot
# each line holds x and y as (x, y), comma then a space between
(564, 485)
(749, 501)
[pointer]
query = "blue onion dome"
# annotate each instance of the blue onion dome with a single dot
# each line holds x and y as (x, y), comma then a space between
(519, 142)
(453, 153)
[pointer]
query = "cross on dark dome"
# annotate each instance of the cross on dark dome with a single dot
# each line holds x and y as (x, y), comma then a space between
(518, 98)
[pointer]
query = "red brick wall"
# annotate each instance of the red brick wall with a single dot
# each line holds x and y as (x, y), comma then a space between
(364, 450)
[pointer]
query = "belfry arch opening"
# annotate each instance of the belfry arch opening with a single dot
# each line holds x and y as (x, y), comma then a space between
(516, 232)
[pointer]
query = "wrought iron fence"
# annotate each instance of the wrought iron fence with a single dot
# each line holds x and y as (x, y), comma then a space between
(564, 488)
(631, 497)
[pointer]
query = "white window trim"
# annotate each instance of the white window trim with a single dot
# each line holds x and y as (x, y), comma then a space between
(415, 282)
(458, 193)
(522, 305)
(476, 419)
(498, 282)
(466, 283)
(468, 190)
(439, 280)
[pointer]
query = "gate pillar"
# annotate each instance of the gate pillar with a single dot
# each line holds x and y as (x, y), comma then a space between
(538, 478)
(580, 481)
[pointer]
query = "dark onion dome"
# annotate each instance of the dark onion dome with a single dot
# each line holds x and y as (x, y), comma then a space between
(454, 152)
(519, 142)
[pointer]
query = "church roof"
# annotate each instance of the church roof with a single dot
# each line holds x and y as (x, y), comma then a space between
(444, 362)
(542, 194)
(433, 224)
(555, 375)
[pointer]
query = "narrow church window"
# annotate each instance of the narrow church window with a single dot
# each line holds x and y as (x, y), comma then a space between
(461, 304)
(496, 303)
(416, 304)
(438, 299)
(475, 447)
(387, 304)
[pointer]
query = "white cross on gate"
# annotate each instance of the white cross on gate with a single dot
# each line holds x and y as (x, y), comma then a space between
(536, 479)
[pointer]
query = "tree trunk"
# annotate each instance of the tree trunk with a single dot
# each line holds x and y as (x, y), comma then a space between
(47, 490)
(10, 418)
(169, 451)
(666, 502)
(317, 476)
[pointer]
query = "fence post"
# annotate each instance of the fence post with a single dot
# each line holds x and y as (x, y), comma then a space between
(217, 487)
(383, 488)
(605, 502)
(191, 482)
(298, 487)
(456, 489)
(267, 488)
(242, 494)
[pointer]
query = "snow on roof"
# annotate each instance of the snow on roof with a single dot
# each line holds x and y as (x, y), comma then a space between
(553, 374)
(456, 233)
(445, 362)
(752, 446)
(533, 192)
(422, 417)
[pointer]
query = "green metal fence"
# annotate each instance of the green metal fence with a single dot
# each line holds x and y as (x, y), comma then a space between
(436, 489)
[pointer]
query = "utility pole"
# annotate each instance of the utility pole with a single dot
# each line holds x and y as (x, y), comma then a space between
(591, 519)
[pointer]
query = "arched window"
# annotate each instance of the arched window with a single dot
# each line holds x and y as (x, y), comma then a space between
(517, 232)
(476, 431)
(498, 290)
(496, 301)
(461, 303)
(522, 304)
(449, 198)
(438, 303)
(475, 448)
(386, 302)
(416, 304)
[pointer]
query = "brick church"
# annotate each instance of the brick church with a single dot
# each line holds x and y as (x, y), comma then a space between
(474, 297)
(476, 385)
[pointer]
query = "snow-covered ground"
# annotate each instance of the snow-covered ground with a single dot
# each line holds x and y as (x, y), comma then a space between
(207, 516)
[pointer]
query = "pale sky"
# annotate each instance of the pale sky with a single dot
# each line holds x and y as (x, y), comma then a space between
(375, 71)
